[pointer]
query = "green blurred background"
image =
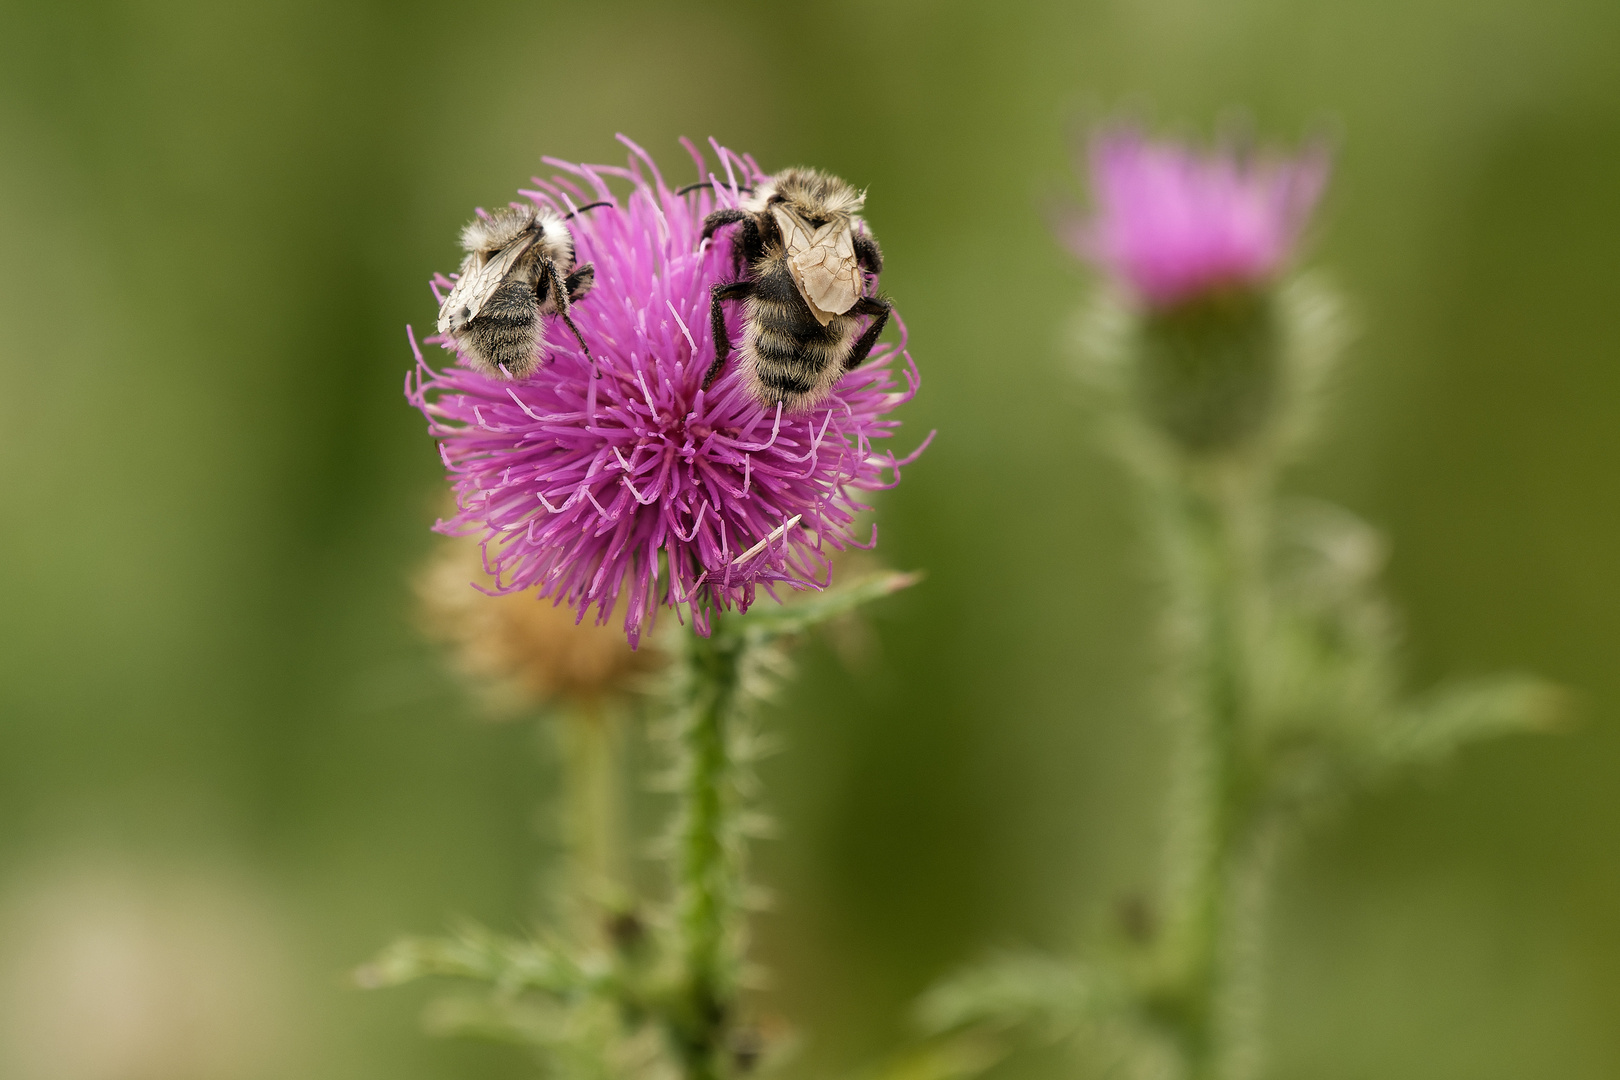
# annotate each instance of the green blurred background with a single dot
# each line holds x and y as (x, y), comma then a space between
(229, 768)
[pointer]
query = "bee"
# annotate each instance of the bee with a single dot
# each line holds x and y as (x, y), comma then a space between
(519, 267)
(801, 254)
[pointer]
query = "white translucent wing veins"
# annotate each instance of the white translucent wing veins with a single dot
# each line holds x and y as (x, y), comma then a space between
(796, 242)
(836, 284)
(822, 262)
(795, 231)
(478, 283)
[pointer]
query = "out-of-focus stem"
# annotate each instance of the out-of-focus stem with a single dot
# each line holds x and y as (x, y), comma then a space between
(708, 870)
(1211, 528)
(592, 744)
(1238, 1049)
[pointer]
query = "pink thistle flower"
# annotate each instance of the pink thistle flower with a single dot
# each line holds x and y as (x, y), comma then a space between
(1172, 224)
(630, 480)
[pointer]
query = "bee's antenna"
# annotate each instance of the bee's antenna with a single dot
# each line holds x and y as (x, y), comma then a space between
(587, 206)
(706, 183)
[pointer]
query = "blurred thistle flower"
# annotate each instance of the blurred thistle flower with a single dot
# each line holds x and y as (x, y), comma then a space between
(1195, 241)
(587, 481)
(1173, 223)
(517, 649)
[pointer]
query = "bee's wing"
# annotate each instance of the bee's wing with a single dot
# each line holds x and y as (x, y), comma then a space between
(477, 283)
(796, 233)
(823, 264)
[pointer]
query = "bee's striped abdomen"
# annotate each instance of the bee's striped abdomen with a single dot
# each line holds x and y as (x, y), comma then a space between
(794, 357)
(507, 331)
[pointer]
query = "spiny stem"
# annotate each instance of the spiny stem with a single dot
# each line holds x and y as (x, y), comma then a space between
(708, 871)
(708, 837)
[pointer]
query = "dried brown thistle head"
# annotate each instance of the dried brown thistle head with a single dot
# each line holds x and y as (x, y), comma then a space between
(519, 650)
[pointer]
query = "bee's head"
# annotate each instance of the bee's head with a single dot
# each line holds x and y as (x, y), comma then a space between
(815, 196)
(556, 239)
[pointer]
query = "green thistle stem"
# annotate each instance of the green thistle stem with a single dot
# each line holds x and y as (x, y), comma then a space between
(1212, 522)
(708, 864)
(1238, 1050)
(717, 677)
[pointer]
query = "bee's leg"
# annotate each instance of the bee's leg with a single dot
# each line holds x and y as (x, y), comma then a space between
(552, 282)
(868, 305)
(748, 246)
(735, 290)
(752, 246)
(579, 282)
(721, 218)
(868, 254)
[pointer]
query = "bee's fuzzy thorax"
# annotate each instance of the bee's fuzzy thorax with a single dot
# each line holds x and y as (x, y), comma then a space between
(487, 234)
(492, 233)
(811, 192)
